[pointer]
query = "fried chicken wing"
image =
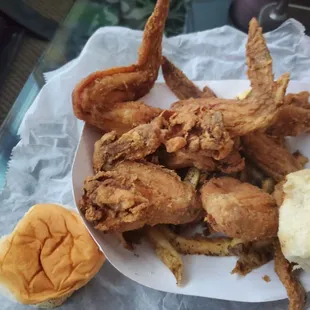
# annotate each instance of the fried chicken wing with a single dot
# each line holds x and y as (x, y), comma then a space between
(269, 155)
(244, 116)
(96, 95)
(240, 210)
(134, 194)
(296, 293)
(259, 109)
(178, 82)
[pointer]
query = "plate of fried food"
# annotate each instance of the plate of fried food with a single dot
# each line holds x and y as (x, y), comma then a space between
(197, 188)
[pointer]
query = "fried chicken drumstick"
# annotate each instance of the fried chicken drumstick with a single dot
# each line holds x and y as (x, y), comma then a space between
(133, 194)
(97, 97)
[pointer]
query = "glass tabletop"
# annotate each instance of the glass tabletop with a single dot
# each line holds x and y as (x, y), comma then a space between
(85, 17)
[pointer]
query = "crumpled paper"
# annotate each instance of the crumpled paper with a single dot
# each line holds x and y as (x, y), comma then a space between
(40, 167)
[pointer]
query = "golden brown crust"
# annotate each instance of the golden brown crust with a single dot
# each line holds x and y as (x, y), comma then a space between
(97, 94)
(46, 236)
(178, 82)
(240, 210)
(270, 156)
(294, 118)
(259, 60)
(296, 293)
(291, 121)
(195, 132)
(244, 116)
(133, 194)
(133, 145)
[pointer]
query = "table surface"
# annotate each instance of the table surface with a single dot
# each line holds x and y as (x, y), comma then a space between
(84, 18)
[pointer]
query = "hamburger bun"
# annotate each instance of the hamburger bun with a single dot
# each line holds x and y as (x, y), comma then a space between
(48, 256)
(294, 217)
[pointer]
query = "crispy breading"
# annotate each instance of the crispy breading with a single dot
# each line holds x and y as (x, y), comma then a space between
(270, 156)
(95, 97)
(240, 210)
(296, 293)
(194, 131)
(133, 194)
(291, 121)
(244, 116)
(123, 116)
(259, 61)
(133, 145)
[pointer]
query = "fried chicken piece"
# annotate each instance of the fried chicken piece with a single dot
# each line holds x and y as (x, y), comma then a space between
(134, 194)
(291, 121)
(101, 92)
(122, 117)
(294, 118)
(300, 100)
(270, 156)
(296, 293)
(194, 131)
(184, 158)
(259, 61)
(243, 116)
(201, 130)
(259, 109)
(178, 82)
(133, 145)
(240, 210)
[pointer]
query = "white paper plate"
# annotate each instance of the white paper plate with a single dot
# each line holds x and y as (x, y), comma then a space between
(205, 276)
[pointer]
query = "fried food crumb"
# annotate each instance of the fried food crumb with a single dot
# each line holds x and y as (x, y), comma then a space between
(266, 278)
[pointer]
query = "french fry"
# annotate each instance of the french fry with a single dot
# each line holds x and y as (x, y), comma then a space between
(192, 176)
(166, 252)
(295, 291)
(268, 185)
(244, 94)
(252, 257)
(200, 245)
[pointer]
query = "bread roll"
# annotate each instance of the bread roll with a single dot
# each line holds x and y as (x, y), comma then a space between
(294, 219)
(48, 256)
